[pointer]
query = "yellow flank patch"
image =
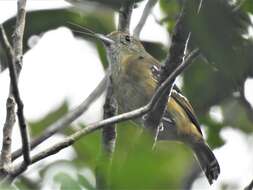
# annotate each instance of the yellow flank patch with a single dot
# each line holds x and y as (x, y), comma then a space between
(183, 123)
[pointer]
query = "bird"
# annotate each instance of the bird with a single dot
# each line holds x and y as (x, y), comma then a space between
(134, 76)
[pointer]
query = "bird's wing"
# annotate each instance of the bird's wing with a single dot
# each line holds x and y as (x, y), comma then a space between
(155, 68)
(185, 104)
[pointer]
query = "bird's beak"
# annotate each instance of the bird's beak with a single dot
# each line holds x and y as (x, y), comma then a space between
(86, 31)
(106, 40)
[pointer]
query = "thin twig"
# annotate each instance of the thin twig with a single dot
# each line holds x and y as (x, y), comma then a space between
(67, 119)
(6, 46)
(116, 119)
(163, 88)
(15, 68)
(108, 142)
(125, 13)
(7, 137)
(149, 6)
(5, 160)
(14, 71)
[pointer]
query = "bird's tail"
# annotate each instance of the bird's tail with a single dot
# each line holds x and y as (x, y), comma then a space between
(207, 161)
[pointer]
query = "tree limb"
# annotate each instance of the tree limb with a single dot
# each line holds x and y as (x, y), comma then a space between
(176, 54)
(149, 6)
(67, 119)
(108, 142)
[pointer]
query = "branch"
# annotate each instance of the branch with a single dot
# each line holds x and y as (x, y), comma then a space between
(6, 45)
(108, 142)
(149, 6)
(177, 49)
(66, 120)
(125, 13)
(14, 70)
(163, 88)
(176, 54)
(14, 73)
(109, 133)
(5, 160)
(7, 137)
(116, 119)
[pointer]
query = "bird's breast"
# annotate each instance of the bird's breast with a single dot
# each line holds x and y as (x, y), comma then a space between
(132, 86)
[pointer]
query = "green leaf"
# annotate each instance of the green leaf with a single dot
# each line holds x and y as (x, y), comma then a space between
(247, 5)
(8, 187)
(66, 182)
(204, 86)
(218, 31)
(85, 183)
(37, 127)
(235, 115)
(25, 183)
(213, 131)
(157, 50)
(102, 54)
(87, 150)
(136, 166)
(171, 8)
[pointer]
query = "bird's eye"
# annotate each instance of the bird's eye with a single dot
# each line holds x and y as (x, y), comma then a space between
(127, 38)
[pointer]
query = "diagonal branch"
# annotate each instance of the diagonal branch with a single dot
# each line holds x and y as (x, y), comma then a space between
(116, 119)
(176, 55)
(67, 119)
(149, 6)
(108, 142)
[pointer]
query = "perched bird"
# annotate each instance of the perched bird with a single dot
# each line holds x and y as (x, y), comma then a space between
(134, 74)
